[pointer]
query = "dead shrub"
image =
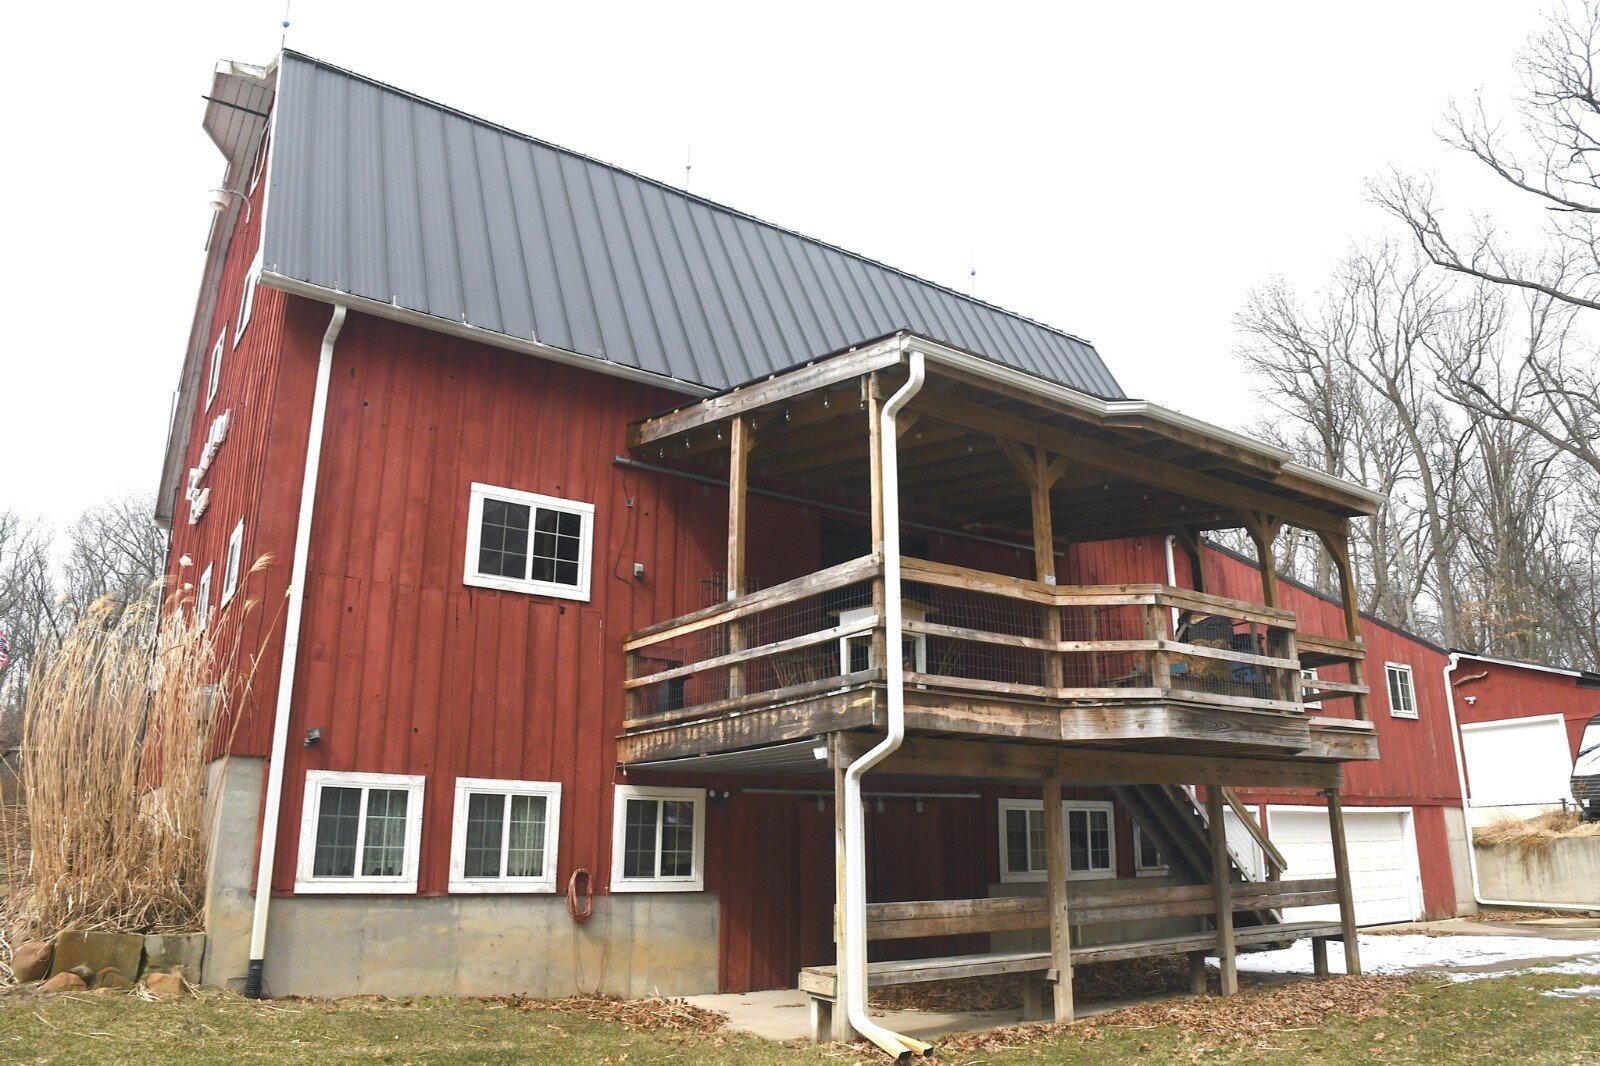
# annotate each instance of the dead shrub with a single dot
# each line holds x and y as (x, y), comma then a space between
(1533, 835)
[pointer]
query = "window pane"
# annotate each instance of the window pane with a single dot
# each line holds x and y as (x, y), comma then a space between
(677, 838)
(1149, 856)
(1036, 841)
(384, 852)
(503, 539)
(1394, 688)
(1078, 840)
(485, 820)
(1099, 840)
(338, 817)
(525, 854)
(639, 839)
(557, 541)
(1017, 844)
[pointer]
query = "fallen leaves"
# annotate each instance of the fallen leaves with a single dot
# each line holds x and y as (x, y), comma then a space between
(653, 1014)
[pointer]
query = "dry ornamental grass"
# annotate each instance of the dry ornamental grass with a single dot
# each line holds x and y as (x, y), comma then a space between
(123, 718)
(1534, 834)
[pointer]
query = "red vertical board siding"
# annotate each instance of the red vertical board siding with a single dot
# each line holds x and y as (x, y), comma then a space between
(1502, 691)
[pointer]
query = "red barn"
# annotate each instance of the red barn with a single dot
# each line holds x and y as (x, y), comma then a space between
(594, 511)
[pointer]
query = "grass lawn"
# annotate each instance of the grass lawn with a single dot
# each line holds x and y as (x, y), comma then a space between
(1499, 1020)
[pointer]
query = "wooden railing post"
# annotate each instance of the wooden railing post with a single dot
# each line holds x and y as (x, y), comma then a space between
(1221, 879)
(1055, 865)
(879, 658)
(1040, 473)
(738, 515)
(1155, 628)
(1338, 546)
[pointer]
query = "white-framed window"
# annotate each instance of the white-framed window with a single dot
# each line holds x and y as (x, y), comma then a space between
(230, 564)
(1091, 840)
(202, 600)
(1147, 860)
(360, 832)
(1402, 693)
(214, 371)
(658, 839)
(504, 835)
(247, 298)
(525, 542)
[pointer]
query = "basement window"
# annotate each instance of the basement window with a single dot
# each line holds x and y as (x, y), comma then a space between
(1402, 693)
(658, 839)
(202, 601)
(504, 835)
(1091, 840)
(230, 564)
(359, 832)
(525, 542)
(214, 371)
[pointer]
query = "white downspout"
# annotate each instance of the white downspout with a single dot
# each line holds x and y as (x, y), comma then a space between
(1172, 580)
(291, 653)
(1461, 777)
(855, 837)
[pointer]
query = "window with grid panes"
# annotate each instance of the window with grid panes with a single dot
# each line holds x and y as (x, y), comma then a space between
(524, 542)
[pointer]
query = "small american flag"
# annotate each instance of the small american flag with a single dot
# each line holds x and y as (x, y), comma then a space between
(5, 650)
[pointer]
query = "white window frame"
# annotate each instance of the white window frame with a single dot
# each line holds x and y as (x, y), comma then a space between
(232, 564)
(550, 791)
(406, 882)
(247, 298)
(1403, 669)
(1067, 806)
(1139, 868)
(619, 814)
(202, 600)
(215, 369)
(585, 513)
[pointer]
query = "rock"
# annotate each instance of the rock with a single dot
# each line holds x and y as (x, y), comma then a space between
(123, 951)
(175, 953)
(111, 977)
(163, 984)
(85, 974)
(64, 982)
(32, 961)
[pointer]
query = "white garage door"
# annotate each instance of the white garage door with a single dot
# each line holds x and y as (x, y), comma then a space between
(1520, 761)
(1383, 861)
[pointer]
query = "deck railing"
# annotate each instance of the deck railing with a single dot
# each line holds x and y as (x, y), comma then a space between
(965, 631)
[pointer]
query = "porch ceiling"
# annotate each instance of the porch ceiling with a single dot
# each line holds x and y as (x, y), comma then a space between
(1130, 468)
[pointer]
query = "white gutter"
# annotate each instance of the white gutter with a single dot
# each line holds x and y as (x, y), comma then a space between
(855, 833)
(291, 653)
(1461, 778)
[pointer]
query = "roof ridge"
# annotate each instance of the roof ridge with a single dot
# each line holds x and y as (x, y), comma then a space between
(684, 193)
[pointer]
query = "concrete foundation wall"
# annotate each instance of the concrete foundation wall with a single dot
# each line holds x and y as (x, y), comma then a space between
(636, 944)
(1455, 831)
(1568, 873)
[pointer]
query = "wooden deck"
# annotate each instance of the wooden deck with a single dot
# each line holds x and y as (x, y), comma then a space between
(1146, 668)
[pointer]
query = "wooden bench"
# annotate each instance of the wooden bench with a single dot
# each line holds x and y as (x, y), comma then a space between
(898, 921)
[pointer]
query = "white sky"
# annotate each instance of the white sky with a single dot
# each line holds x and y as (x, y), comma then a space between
(1126, 172)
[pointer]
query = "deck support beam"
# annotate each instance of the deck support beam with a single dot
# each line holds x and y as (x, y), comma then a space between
(841, 1030)
(1055, 863)
(1341, 873)
(738, 518)
(1221, 879)
(1040, 473)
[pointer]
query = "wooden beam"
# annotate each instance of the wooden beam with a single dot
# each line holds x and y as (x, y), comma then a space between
(875, 444)
(1221, 882)
(747, 398)
(1117, 460)
(1341, 873)
(1338, 546)
(739, 443)
(842, 1033)
(997, 760)
(1263, 531)
(1055, 864)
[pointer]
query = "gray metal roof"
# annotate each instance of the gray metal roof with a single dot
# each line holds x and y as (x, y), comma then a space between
(383, 195)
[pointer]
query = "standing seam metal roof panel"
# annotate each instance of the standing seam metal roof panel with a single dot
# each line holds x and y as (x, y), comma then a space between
(383, 195)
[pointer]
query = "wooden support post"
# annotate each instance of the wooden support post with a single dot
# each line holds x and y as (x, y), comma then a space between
(1040, 473)
(1222, 880)
(1155, 628)
(1263, 531)
(1319, 956)
(874, 401)
(1055, 865)
(738, 515)
(1341, 872)
(839, 1022)
(1197, 973)
(1338, 546)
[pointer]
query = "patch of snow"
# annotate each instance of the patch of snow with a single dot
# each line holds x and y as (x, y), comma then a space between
(1410, 954)
(1581, 992)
